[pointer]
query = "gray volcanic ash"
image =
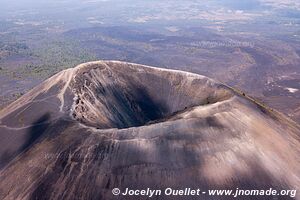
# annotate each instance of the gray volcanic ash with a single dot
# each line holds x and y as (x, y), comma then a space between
(109, 124)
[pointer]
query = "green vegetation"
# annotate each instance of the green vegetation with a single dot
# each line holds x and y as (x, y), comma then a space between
(47, 58)
(54, 56)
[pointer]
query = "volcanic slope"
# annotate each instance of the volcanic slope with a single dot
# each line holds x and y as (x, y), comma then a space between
(110, 124)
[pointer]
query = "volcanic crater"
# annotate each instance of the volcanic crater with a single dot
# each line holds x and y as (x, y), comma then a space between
(111, 124)
(106, 97)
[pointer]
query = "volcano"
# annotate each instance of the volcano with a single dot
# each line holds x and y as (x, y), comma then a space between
(110, 124)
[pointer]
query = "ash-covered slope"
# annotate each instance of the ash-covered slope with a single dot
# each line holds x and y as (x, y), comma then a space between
(108, 124)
